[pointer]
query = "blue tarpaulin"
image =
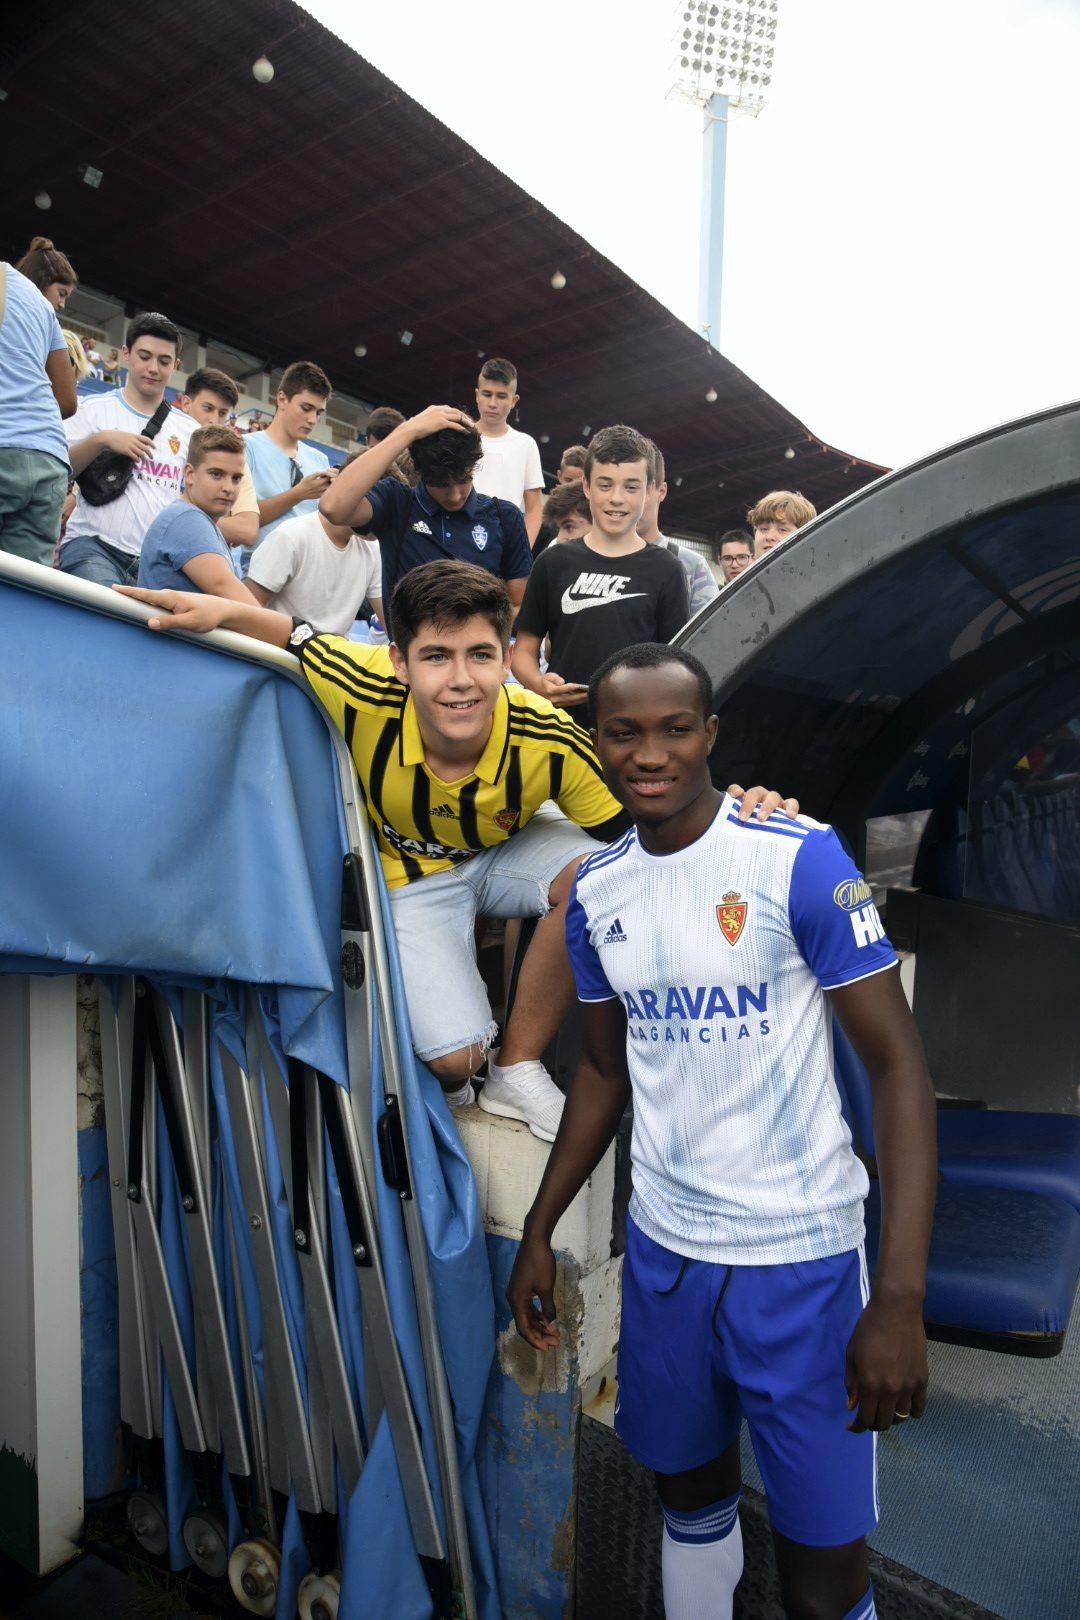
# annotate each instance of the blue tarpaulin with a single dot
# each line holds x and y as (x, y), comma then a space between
(172, 810)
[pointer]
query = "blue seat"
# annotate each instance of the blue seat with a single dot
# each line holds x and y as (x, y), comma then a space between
(1003, 1267)
(1001, 1148)
(979, 1147)
(1004, 1258)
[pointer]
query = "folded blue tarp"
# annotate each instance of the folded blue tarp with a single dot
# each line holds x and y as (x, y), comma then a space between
(172, 810)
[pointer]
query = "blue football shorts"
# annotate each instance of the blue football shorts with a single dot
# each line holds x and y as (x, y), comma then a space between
(703, 1346)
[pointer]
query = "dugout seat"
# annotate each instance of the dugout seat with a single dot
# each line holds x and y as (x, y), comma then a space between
(979, 1147)
(1004, 1256)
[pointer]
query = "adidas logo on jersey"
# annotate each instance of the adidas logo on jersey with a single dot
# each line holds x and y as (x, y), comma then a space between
(442, 810)
(615, 935)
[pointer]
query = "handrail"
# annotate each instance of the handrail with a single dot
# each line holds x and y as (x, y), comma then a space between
(31, 576)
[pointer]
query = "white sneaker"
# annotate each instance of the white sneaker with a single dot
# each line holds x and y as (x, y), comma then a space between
(527, 1092)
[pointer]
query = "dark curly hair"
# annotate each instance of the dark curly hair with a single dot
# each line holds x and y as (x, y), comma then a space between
(447, 457)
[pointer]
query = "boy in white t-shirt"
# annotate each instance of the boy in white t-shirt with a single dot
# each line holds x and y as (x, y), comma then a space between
(510, 467)
(317, 571)
(102, 543)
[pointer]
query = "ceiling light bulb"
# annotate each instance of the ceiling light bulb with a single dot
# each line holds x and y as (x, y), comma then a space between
(558, 281)
(262, 70)
(43, 200)
(711, 397)
(789, 454)
(360, 350)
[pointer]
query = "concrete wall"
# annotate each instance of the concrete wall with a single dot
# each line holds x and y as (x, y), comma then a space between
(528, 1462)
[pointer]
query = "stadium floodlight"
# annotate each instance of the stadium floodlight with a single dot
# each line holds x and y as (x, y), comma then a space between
(726, 49)
(724, 63)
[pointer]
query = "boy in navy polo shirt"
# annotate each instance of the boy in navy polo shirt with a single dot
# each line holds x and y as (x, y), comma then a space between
(442, 515)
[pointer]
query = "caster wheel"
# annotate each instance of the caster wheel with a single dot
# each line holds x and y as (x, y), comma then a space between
(205, 1540)
(254, 1573)
(319, 1596)
(147, 1521)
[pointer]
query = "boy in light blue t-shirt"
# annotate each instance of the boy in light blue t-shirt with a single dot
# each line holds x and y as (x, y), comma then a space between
(289, 474)
(183, 549)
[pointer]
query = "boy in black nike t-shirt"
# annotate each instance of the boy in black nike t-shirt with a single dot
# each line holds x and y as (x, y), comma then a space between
(606, 591)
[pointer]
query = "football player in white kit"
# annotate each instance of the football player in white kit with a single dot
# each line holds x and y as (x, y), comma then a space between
(710, 954)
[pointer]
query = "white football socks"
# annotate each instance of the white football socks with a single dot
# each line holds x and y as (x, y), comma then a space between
(702, 1561)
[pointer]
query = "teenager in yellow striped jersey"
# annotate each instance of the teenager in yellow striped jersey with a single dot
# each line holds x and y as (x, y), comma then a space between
(484, 798)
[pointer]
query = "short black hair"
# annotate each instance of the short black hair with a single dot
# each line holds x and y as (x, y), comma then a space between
(304, 377)
(447, 457)
(652, 655)
(381, 423)
(614, 445)
(736, 537)
(447, 593)
(209, 380)
(567, 500)
(500, 371)
(153, 325)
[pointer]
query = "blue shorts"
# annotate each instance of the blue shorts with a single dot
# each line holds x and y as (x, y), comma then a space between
(703, 1345)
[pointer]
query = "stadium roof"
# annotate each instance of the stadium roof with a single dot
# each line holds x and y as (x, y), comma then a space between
(328, 209)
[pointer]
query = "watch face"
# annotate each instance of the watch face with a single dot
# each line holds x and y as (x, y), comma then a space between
(302, 633)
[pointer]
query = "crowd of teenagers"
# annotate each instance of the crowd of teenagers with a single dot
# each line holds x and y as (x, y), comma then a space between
(529, 747)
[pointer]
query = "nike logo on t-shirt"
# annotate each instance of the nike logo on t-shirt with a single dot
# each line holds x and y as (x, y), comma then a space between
(595, 590)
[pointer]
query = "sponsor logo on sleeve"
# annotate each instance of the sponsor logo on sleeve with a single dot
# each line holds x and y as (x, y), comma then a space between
(851, 894)
(731, 915)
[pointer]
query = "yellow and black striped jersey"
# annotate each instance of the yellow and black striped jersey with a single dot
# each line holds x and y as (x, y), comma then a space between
(423, 824)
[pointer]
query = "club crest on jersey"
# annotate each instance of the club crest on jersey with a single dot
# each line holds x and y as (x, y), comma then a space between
(731, 915)
(506, 819)
(480, 536)
(174, 444)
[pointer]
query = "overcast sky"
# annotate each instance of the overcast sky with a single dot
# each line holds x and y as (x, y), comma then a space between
(901, 244)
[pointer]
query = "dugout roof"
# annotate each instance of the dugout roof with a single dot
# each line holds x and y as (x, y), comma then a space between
(903, 651)
(328, 209)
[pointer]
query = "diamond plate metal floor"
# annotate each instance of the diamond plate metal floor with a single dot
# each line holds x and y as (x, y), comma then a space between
(618, 1557)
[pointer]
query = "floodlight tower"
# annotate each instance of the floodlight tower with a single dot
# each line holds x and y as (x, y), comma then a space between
(725, 64)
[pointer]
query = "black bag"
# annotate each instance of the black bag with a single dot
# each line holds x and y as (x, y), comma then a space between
(106, 477)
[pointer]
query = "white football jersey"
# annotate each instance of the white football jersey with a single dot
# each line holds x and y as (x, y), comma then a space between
(721, 954)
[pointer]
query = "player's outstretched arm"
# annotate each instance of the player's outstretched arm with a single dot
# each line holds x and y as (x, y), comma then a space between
(886, 1361)
(595, 1104)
